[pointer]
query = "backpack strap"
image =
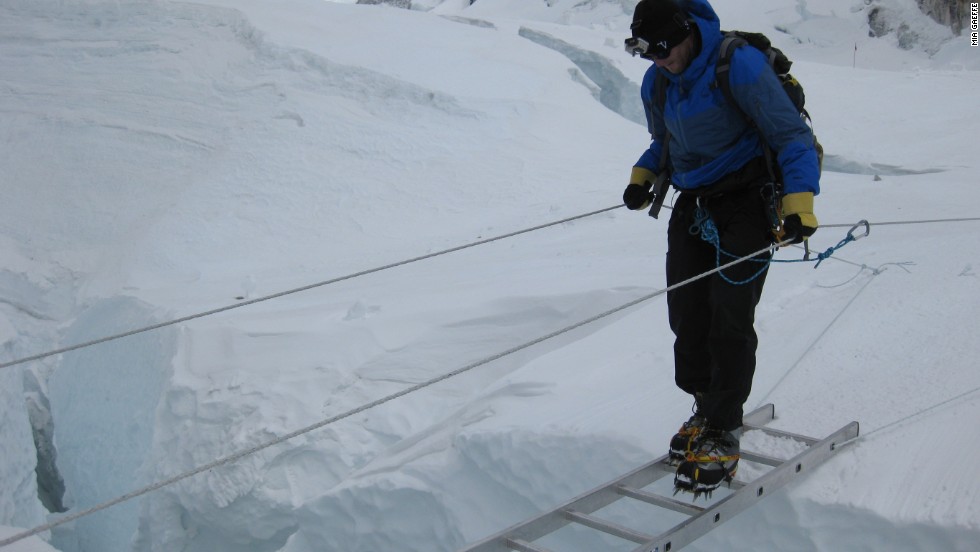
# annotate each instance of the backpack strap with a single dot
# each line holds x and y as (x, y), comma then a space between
(723, 66)
(660, 97)
(662, 185)
(723, 79)
(660, 90)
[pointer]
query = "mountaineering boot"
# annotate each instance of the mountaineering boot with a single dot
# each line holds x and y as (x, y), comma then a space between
(712, 460)
(680, 443)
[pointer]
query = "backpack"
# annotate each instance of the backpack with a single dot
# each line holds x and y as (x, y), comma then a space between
(780, 65)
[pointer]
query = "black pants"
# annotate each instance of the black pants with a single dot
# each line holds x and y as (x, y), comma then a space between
(712, 319)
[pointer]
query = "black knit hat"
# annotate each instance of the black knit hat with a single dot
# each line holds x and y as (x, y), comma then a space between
(662, 23)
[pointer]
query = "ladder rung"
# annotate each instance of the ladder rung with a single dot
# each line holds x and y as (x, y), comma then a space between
(660, 500)
(760, 458)
(524, 546)
(780, 433)
(607, 527)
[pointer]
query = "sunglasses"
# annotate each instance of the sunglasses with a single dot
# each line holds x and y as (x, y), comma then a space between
(636, 46)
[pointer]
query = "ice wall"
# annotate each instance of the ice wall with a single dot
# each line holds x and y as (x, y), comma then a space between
(103, 405)
(34, 297)
(19, 505)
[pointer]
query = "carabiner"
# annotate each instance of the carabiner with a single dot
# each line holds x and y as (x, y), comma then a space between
(867, 230)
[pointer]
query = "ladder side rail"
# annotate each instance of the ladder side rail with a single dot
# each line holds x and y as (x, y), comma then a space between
(691, 529)
(590, 501)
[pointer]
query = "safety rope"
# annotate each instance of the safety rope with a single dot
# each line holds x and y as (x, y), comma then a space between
(705, 227)
(239, 455)
(297, 290)
(821, 257)
(908, 222)
(875, 271)
(816, 340)
(918, 413)
(188, 318)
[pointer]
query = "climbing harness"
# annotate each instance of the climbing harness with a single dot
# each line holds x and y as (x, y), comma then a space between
(705, 227)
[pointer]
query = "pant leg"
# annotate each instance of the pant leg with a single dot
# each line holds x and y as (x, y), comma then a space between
(689, 306)
(743, 228)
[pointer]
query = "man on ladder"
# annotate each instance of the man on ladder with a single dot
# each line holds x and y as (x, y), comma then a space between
(713, 150)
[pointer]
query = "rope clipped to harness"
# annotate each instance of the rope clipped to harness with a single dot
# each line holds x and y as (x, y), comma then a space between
(705, 227)
(821, 257)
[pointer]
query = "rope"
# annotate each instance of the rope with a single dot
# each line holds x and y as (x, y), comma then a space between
(379, 269)
(818, 338)
(704, 226)
(709, 232)
(253, 450)
(296, 290)
(239, 455)
(906, 222)
(925, 410)
(874, 272)
(847, 239)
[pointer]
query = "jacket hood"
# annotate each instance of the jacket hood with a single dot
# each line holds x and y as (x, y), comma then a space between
(709, 26)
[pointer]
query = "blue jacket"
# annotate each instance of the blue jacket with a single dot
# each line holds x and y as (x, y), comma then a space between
(710, 138)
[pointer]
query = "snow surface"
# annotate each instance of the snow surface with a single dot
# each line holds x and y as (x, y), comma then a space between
(162, 159)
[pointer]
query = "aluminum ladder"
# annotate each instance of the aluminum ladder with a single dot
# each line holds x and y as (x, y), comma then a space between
(700, 519)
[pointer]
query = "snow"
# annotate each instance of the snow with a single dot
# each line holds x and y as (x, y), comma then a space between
(162, 159)
(31, 544)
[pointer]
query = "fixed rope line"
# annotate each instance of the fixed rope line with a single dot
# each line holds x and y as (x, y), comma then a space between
(892, 223)
(262, 446)
(920, 412)
(874, 272)
(378, 269)
(242, 454)
(862, 266)
(705, 227)
(905, 222)
(819, 337)
(297, 290)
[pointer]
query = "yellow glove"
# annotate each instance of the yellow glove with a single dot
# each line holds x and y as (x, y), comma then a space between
(637, 194)
(799, 222)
